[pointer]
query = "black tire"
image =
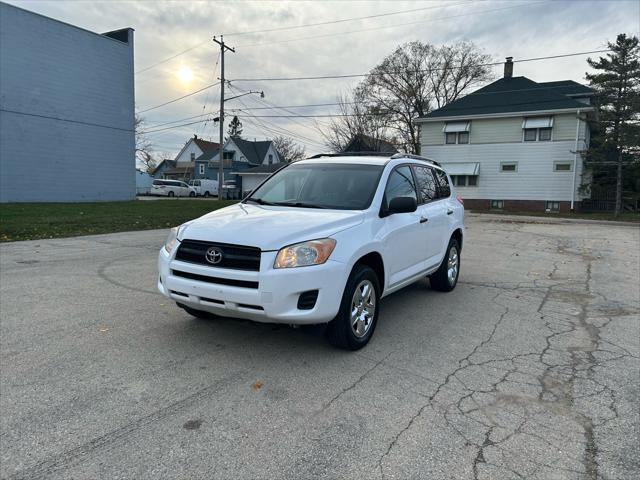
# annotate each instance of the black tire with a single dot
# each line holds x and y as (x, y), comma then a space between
(206, 194)
(170, 194)
(192, 194)
(339, 331)
(440, 280)
(197, 313)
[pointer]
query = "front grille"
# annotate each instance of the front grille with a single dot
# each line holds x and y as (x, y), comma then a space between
(222, 281)
(238, 257)
(307, 300)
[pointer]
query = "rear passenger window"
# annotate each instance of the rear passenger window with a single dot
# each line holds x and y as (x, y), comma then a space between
(400, 184)
(443, 187)
(426, 184)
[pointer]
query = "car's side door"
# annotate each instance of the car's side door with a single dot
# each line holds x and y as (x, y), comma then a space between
(402, 232)
(432, 211)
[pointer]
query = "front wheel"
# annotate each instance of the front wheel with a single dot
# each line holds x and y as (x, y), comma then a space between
(356, 320)
(170, 194)
(445, 278)
(192, 194)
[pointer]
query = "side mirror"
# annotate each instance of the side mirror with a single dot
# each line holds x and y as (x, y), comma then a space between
(402, 205)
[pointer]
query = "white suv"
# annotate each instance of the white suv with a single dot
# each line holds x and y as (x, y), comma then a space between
(322, 240)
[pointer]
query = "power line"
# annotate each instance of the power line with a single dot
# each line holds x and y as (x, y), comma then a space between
(153, 65)
(179, 98)
(80, 122)
(343, 20)
(349, 31)
(353, 75)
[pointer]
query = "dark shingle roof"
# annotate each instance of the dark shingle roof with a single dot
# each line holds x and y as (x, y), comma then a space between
(274, 167)
(254, 151)
(366, 143)
(517, 94)
(205, 145)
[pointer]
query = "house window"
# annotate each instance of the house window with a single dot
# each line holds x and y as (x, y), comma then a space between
(451, 138)
(537, 129)
(497, 204)
(552, 206)
(270, 159)
(562, 166)
(509, 167)
(530, 134)
(544, 134)
(201, 168)
(464, 180)
(193, 156)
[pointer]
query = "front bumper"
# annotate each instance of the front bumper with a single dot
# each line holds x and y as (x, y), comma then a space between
(274, 301)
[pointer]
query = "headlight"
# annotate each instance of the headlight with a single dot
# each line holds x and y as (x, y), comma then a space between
(172, 239)
(314, 252)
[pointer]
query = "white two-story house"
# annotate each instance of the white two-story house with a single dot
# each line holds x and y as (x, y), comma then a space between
(514, 144)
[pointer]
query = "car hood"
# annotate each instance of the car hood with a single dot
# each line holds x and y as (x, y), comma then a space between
(268, 227)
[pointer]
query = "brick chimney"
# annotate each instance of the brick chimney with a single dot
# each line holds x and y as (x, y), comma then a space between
(508, 67)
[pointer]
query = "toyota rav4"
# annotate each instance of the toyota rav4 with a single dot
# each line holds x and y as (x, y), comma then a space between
(320, 241)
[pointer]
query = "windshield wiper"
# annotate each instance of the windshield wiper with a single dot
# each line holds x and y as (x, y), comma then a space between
(298, 204)
(259, 201)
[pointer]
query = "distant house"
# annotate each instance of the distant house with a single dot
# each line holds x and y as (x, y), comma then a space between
(364, 143)
(514, 144)
(182, 167)
(239, 155)
(254, 176)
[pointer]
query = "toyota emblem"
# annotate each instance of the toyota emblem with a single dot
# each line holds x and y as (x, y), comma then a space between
(213, 255)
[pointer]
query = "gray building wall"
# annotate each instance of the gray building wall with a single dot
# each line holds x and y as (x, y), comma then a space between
(66, 111)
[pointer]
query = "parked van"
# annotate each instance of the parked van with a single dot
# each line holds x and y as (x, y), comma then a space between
(205, 188)
(172, 188)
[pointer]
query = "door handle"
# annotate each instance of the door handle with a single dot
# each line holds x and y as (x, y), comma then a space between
(449, 212)
(424, 219)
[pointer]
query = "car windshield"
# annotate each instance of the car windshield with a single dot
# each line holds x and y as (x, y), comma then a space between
(317, 185)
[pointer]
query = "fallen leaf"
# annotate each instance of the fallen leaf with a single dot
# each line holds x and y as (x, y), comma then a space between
(257, 385)
(104, 329)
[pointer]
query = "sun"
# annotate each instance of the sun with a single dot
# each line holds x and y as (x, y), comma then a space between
(185, 75)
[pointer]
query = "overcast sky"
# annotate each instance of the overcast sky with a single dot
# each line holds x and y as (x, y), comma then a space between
(517, 28)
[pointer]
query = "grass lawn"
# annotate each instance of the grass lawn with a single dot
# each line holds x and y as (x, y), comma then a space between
(31, 221)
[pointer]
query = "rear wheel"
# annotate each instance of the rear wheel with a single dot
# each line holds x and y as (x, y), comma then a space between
(445, 278)
(206, 194)
(170, 194)
(356, 320)
(196, 313)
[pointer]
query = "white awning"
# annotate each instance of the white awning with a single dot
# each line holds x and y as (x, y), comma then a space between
(538, 122)
(451, 127)
(461, 168)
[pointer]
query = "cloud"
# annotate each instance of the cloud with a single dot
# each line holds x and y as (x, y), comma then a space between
(521, 29)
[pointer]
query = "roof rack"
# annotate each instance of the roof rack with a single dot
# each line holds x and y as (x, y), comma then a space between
(352, 154)
(414, 157)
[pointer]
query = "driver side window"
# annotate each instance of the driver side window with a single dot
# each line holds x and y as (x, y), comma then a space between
(399, 184)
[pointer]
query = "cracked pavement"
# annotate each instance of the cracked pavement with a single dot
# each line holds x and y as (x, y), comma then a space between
(529, 369)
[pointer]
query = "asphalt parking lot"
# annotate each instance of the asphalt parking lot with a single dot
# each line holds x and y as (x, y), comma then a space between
(529, 369)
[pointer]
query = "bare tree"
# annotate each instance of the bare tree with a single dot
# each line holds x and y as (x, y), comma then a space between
(417, 78)
(356, 117)
(144, 150)
(288, 149)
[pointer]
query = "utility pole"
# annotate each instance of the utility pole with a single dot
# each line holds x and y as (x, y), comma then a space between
(223, 47)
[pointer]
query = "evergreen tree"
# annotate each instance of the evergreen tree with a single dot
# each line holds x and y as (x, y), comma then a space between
(235, 127)
(617, 140)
